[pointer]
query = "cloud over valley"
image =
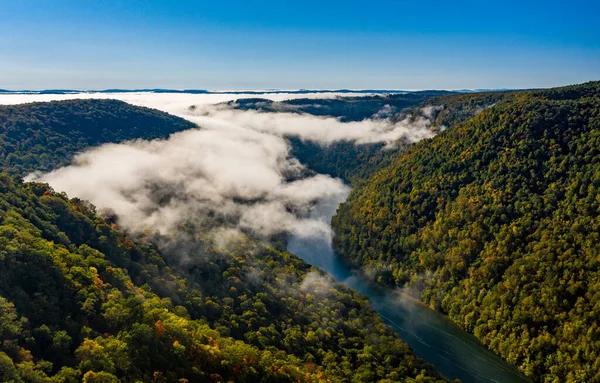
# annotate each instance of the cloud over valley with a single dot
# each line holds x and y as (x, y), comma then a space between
(234, 171)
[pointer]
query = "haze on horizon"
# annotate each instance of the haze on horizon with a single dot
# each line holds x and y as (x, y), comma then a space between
(269, 44)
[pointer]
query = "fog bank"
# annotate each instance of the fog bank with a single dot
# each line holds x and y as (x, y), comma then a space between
(233, 172)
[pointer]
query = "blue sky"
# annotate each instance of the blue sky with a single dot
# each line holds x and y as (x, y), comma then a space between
(285, 44)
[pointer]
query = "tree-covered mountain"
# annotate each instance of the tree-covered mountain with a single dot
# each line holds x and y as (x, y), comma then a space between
(496, 222)
(45, 135)
(82, 300)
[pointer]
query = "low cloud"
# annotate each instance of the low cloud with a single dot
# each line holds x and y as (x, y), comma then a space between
(386, 111)
(316, 283)
(324, 130)
(234, 173)
(168, 102)
(233, 177)
(430, 111)
(209, 109)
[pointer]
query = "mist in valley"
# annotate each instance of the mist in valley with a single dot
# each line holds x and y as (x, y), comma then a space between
(235, 170)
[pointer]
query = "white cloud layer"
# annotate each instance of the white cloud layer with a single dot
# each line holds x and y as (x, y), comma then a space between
(325, 130)
(239, 176)
(236, 168)
(166, 101)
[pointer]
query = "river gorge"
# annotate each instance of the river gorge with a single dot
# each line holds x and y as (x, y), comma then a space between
(432, 336)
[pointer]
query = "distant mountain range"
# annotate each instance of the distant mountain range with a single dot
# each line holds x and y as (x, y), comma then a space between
(204, 91)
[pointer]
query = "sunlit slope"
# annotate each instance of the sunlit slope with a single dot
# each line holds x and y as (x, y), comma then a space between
(496, 223)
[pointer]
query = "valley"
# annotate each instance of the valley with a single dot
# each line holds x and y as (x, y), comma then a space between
(233, 251)
(314, 191)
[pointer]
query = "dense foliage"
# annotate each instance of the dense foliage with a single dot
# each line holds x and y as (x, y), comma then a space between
(45, 135)
(496, 222)
(346, 160)
(82, 300)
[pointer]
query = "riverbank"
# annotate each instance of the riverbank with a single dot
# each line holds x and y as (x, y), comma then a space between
(432, 336)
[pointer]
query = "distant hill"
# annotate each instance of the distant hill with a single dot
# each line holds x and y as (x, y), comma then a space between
(345, 108)
(204, 91)
(496, 222)
(45, 135)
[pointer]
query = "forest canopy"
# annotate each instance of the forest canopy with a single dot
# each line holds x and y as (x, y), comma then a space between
(495, 222)
(43, 136)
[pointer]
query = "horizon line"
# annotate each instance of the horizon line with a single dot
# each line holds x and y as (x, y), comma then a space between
(248, 91)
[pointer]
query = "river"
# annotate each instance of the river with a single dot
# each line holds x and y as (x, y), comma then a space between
(432, 336)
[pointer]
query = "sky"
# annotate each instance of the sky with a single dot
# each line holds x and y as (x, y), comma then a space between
(287, 44)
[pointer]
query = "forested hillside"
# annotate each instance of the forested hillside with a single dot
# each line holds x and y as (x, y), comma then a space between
(450, 110)
(82, 300)
(495, 222)
(44, 135)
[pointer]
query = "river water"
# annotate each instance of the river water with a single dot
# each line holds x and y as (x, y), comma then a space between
(433, 337)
